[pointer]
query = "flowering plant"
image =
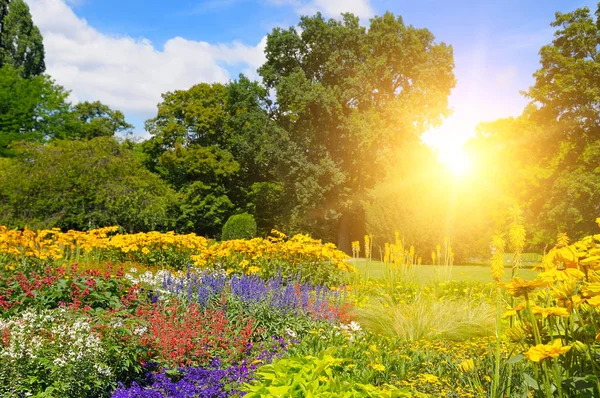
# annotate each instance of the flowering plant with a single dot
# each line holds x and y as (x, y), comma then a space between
(55, 352)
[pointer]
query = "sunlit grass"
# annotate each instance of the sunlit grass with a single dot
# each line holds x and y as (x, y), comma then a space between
(424, 274)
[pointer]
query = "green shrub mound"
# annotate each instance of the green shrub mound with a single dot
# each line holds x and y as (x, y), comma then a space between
(239, 226)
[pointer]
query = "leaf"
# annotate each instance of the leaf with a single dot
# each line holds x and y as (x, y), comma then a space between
(515, 359)
(530, 381)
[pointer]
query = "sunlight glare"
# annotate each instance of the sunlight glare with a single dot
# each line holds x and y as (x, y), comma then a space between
(457, 161)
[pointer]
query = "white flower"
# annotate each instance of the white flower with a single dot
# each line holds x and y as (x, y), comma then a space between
(290, 332)
(354, 326)
(140, 331)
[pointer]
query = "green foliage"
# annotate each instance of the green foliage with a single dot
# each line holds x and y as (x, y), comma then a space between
(239, 226)
(21, 44)
(33, 109)
(547, 158)
(212, 143)
(82, 185)
(349, 96)
(54, 353)
(94, 119)
(313, 377)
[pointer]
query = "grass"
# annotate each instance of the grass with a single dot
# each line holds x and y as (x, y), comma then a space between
(424, 274)
(428, 318)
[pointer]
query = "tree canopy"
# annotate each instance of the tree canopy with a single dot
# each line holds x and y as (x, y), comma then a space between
(74, 184)
(349, 96)
(547, 158)
(21, 43)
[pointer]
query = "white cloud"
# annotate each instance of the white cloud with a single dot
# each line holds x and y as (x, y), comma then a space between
(126, 73)
(332, 8)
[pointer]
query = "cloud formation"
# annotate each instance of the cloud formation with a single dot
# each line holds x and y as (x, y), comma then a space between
(331, 8)
(127, 73)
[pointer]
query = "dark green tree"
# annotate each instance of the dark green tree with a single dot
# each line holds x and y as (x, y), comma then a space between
(21, 43)
(212, 143)
(81, 185)
(349, 97)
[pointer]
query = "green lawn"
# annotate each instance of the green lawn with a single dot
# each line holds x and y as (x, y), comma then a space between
(423, 274)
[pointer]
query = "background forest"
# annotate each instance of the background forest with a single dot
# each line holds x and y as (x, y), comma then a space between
(326, 143)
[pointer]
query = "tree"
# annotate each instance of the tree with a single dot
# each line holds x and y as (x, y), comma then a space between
(33, 109)
(212, 143)
(36, 109)
(82, 185)
(94, 119)
(21, 43)
(550, 154)
(349, 97)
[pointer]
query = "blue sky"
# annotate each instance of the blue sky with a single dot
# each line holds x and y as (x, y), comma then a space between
(125, 53)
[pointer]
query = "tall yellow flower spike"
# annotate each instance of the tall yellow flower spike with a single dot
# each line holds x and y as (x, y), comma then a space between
(497, 268)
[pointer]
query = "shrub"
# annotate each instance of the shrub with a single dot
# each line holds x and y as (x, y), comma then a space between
(239, 226)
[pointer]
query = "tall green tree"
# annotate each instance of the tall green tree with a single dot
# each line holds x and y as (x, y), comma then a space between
(73, 184)
(350, 97)
(550, 154)
(21, 43)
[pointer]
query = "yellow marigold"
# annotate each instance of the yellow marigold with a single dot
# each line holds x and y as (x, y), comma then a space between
(543, 351)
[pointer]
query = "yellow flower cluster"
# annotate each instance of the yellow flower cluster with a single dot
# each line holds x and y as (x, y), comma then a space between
(558, 309)
(106, 243)
(297, 249)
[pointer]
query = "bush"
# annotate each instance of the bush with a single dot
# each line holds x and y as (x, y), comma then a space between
(239, 226)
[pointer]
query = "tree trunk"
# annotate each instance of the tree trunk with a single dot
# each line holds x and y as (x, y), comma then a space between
(343, 234)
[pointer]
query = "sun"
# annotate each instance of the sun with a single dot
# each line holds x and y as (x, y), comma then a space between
(457, 161)
(448, 141)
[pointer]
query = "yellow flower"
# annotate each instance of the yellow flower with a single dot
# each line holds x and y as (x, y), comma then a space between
(519, 287)
(253, 270)
(543, 351)
(145, 250)
(549, 311)
(513, 311)
(377, 366)
(429, 378)
(323, 379)
(466, 366)
(373, 348)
